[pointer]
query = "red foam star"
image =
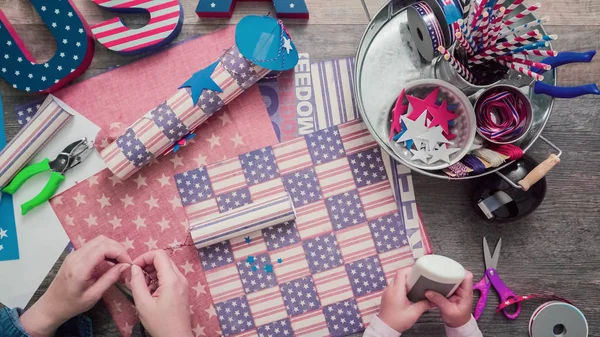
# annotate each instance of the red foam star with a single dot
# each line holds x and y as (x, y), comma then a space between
(441, 116)
(398, 110)
(420, 105)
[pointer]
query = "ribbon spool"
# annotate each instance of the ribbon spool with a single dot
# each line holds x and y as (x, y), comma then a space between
(558, 319)
(426, 31)
(440, 9)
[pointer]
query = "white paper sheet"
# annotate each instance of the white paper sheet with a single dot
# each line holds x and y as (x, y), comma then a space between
(41, 236)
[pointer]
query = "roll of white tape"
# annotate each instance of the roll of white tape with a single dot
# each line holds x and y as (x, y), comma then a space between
(434, 272)
(557, 319)
(425, 29)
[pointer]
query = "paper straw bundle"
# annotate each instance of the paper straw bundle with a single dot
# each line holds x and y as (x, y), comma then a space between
(493, 32)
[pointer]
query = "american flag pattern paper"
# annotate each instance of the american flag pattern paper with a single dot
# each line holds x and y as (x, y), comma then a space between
(166, 20)
(337, 251)
(50, 118)
(153, 134)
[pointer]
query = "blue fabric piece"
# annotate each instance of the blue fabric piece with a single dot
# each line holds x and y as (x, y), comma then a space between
(9, 245)
(200, 81)
(10, 325)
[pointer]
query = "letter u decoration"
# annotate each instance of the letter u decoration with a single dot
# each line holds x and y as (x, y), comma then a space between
(74, 49)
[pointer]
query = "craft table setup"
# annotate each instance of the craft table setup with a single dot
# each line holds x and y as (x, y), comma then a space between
(286, 167)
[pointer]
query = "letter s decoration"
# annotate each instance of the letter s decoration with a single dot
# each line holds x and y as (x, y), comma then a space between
(166, 20)
(74, 52)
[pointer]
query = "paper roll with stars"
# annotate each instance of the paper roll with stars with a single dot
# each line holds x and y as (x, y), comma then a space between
(262, 45)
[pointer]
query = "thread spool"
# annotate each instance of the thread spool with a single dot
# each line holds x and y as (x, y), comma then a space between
(426, 31)
(434, 272)
(558, 319)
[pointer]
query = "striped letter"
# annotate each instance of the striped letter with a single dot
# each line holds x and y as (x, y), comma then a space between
(74, 49)
(166, 20)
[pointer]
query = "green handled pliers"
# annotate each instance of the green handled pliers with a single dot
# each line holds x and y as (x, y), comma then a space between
(71, 156)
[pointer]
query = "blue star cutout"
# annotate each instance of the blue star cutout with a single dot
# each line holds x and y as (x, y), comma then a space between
(250, 259)
(201, 80)
(247, 239)
(269, 268)
(279, 260)
(254, 268)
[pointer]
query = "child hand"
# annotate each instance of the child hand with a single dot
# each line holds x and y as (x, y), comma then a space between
(77, 285)
(396, 310)
(456, 310)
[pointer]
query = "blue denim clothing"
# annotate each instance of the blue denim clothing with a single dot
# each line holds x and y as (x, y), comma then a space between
(10, 326)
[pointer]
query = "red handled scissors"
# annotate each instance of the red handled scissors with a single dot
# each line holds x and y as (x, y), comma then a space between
(491, 278)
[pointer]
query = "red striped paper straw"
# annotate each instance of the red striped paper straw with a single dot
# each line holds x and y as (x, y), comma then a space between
(462, 70)
(519, 40)
(537, 52)
(523, 14)
(478, 32)
(493, 52)
(471, 16)
(513, 6)
(485, 30)
(497, 26)
(478, 13)
(464, 43)
(498, 5)
(521, 69)
(526, 62)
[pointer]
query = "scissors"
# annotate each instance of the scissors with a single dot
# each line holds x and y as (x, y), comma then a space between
(561, 59)
(71, 156)
(491, 278)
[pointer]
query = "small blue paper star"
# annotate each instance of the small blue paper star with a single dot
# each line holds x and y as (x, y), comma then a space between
(201, 80)
(250, 259)
(269, 268)
(279, 260)
(254, 268)
(247, 239)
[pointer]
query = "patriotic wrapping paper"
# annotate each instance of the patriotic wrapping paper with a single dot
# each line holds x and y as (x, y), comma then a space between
(347, 241)
(50, 118)
(145, 212)
(159, 129)
(236, 223)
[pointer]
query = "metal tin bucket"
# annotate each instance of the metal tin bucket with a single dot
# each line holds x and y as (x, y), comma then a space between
(387, 60)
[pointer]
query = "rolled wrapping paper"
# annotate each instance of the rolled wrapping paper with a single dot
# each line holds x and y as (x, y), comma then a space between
(243, 220)
(50, 118)
(262, 45)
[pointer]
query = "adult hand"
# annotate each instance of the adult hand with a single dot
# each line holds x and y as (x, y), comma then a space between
(78, 285)
(396, 310)
(456, 310)
(166, 311)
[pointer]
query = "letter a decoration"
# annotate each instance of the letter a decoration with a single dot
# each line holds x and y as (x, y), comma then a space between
(74, 49)
(224, 8)
(166, 20)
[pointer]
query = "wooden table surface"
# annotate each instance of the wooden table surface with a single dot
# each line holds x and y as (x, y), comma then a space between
(554, 249)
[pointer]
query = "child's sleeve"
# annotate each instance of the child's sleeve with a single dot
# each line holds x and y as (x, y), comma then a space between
(468, 330)
(378, 328)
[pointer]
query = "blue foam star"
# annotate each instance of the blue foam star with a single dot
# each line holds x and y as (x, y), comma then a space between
(279, 260)
(254, 268)
(269, 268)
(247, 239)
(201, 80)
(250, 259)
